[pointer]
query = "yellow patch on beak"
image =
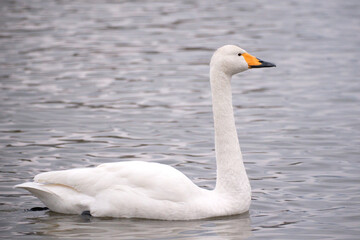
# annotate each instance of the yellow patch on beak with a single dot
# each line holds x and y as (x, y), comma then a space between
(251, 60)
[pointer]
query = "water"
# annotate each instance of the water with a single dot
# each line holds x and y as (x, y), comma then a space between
(87, 82)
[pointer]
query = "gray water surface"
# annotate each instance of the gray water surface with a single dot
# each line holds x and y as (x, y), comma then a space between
(88, 82)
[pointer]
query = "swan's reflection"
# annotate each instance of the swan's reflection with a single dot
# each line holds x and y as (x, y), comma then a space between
(73, 226)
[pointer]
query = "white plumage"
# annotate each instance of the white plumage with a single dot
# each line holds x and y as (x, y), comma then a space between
(156, 191)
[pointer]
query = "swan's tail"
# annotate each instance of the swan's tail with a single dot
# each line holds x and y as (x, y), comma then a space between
(44, 194)
(57, 198)
(36, 189)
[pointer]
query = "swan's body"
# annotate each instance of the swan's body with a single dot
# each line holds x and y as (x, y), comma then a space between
(156, 191)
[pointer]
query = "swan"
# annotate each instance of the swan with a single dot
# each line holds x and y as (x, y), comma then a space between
(138, 189)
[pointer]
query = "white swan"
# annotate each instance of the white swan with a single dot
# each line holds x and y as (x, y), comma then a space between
(156, 191)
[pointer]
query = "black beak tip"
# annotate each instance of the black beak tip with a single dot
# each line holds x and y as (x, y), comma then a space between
(264, 64)
(272, 65)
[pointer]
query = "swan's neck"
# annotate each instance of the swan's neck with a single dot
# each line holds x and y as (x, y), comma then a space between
(231, 174)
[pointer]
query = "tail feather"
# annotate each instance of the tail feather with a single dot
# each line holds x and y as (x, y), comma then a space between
(58, 198)
(37, 189)
(45, 195)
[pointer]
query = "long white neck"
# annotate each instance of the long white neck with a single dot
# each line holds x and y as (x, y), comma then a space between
(231, 174)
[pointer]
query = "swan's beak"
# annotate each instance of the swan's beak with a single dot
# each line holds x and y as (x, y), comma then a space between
(254, 62)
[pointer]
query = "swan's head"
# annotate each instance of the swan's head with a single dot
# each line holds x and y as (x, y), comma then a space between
(231, 59)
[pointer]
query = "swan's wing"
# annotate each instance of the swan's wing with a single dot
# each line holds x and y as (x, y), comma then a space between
(153, 180)
(84, 180)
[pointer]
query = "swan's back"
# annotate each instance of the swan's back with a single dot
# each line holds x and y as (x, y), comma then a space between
(136, 174)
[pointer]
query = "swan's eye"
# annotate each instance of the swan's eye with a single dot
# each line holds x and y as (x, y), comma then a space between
(239, 54)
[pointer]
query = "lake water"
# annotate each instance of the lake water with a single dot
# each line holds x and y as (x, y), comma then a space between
(88, 82)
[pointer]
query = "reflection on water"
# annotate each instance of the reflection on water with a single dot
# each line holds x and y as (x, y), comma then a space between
(88, 82)
(57, 225)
